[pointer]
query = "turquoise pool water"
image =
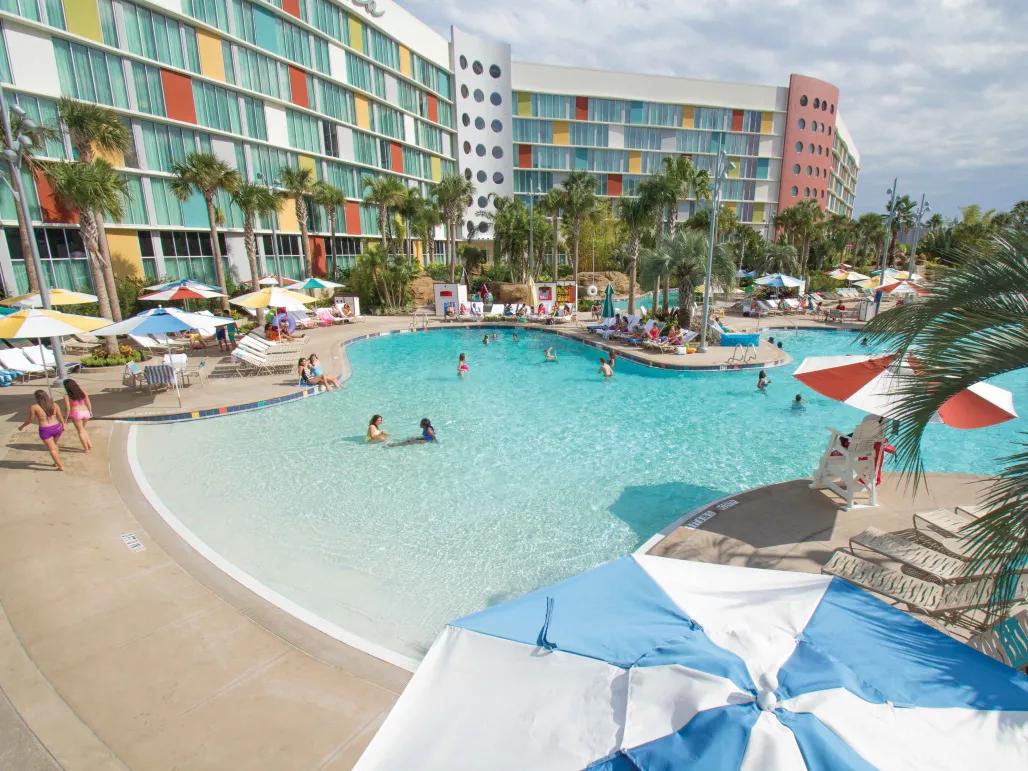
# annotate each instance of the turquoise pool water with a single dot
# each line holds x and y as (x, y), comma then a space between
(543, 470)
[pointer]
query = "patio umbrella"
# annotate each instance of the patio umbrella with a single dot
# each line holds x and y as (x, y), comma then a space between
(745, 273)
(840, 274)
(905, 287)
(653, 663)
(874, 384)
(182, 292)
(311, 283)
(57, 297)
(267, 281)
(779, 280)
(36, 323)
(608, 302)
(186, 282)
(273, 297)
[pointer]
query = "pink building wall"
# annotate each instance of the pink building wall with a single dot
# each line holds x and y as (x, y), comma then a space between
(809, 135)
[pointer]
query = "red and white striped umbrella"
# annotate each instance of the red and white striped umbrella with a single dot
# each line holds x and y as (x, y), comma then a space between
(187, 292)
(905, 287)
(874, 384)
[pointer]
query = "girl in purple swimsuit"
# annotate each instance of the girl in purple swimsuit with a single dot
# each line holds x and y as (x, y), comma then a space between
(51, 424)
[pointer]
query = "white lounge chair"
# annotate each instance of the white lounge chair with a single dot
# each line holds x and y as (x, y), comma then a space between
(45, 359)
(15, 360)
(850, 468)
(496, 310)
(939, 566)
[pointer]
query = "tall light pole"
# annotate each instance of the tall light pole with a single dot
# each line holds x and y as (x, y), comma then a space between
(274, 233)
(721, 168)
(923, 209)
(885, 246)
(14, 158)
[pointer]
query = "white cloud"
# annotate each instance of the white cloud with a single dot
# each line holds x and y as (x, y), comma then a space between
(932, 90)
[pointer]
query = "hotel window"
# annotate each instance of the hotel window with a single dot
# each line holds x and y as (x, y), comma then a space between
(190, 254)
(540, 131)
(336, 102)
(428, 137)
(262, 73)
(551, 106)
(661, 114)
(303, 131)
(358, 72)
(412, 99)
(256, 125)
(652, 163)
(550, 158)
(344, 178)
(445, 114)
(165, 145)
(329, 18)
(607, 110)
(751, 121)
(62, 255)
(216, 107)
(365, 148)
(267, 161)
(643, 138)
(388, 121)
(712, 118)
(133, 212)
(330, 137)
(589, 134)
(692, 141)
(384, 50)
(149, 92)
(283, 256)
(369, 220)
(155, 36)
(44, 113)
(90, 75)
(213, 12)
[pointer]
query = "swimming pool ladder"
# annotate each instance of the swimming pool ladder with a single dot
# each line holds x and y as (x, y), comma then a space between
(414, 321)
(742, 354)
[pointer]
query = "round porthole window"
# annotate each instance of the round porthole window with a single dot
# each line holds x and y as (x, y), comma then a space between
(479, 96)
(463, 62)
(795, 168)
(496, 99)
(477, 68)
(795, 191)
(497, 152)
(483, 227)
(480, 151)
(482, 176)
(498, 178)
(802, 124)
(494, 71)
(465, 119)
(497, 126)
(803, 101)
(482, 202)
(467, 147)
(467, 174)
(464, 91)
(480, 123)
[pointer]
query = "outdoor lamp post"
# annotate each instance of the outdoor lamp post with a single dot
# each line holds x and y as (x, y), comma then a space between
(721, 168)
(13, 181)
(885, 246)
(923, 209)
(274, 233)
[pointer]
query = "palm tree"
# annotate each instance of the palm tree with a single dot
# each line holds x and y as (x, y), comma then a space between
(973, 326)
(655, 268)
(637, 214)
(94, 129)
(426, 218)
(408, 209)
(579, 200)
(688, 256)
(903, 215)
(452, 195)
(385, 194)
(298, 184)
(38, 137)
(868, 233)
(552, 205)
(207, 175)
(254, 201)
(96, 190)
(802, 224)
(510, 232)
(331, 199)
(935, 222)
(778, 258)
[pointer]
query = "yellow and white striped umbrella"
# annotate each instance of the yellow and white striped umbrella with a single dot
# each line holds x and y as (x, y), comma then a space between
(273, 297)
(36, 323)
(57, 297)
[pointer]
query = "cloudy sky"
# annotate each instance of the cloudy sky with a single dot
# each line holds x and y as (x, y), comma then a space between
(934, 91)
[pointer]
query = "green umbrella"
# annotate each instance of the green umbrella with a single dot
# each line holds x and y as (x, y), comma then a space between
(608, 302)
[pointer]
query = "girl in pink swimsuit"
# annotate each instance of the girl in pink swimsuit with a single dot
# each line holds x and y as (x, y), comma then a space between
(79, 410)
(51, 424)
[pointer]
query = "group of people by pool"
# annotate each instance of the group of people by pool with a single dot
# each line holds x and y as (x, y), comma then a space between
(377, 434)
(763, 381)
(310, 373)
(52, 419)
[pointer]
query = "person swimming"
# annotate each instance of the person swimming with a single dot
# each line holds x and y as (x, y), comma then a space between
(427, 435)
(462, 365)
(605, 369)
(797, 404)
(485, 339)
(779, 344)
(551, 355)
(514, 337)
(763, 381)
(375, 432)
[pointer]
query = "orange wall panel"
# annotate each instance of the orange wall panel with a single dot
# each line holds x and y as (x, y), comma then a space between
(524, 156)
(52, 210)
(613, 184)
(581, 108)
(737, 120)
(353, 218)
(395, 157)
(292, 7)
(178, 96)
(318, 263)
(298, 87)
(433, 108)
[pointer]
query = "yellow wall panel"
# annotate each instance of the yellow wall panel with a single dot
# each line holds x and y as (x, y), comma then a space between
(306, 162)
(635, 162)
(688, 118)
(126, 259)
(735, 169)
(82, 17)
(524, 104)
(356, 35)
(212, 63)
(405, 67)
(287, 221)
(437, 169)
(766, 122)
(363, 111)
(758, 212)
(113, 157)
(561, 132)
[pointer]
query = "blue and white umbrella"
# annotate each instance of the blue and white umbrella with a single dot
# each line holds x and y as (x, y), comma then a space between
(654, 663)
(162, 321)
(779, 280)
(183, 282)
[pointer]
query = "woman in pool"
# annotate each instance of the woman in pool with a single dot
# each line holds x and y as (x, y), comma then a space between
(485, 339)
(514, 337)
(427, 435)
(462, 366)
(375, 432)
(551, 355)
(51, 424)
(605, 369)
(797, 404)
(763, 382)
(79, 410)
(317, 376)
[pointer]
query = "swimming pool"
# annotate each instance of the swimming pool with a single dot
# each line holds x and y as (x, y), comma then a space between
(543, 470)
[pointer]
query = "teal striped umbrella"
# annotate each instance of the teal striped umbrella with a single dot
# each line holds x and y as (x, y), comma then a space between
(608, 302)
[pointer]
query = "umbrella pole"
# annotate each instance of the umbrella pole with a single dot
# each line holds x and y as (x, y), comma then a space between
(42, 358)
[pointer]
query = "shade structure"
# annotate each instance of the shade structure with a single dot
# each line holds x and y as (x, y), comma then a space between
(273, 297)
(609, 311)
(875, 383)
(745, 273)
(36, 323)
(267, 281)
(652, 663)
(845, 274)
(186, 282)
(184, 292)
(161, 321)
(905, 287)
(779, 280)
(312, 282)
(58, 297)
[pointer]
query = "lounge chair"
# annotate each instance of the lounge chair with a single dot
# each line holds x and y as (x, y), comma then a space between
(939, 566)
(949, 601)
(946, 522)
(159, 377)
(1007, 641)
(15, 360)
(496, 310)
(325, 317)
(44, 359)
(850, 468)
(258, 364)
(132, 376)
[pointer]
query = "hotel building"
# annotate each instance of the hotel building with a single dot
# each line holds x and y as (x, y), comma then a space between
(363, 88)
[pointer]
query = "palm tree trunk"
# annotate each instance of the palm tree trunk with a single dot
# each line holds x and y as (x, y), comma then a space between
(667, 293)
(556, 242)
(250, 239)
(684, 305)
(656, 291)
(632, 268)
(23, 236)
(88, 229)
(332, 242)
(108, 268)
(305, 239)
(383, 228)
(578, 233)
(219, 268)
